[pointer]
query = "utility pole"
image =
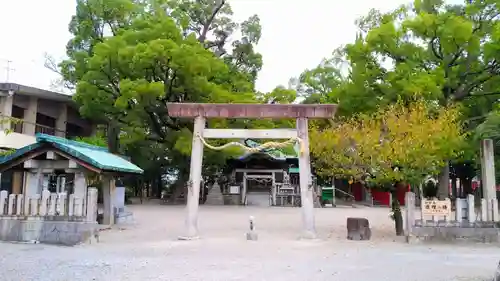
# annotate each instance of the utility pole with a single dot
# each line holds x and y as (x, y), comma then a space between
(8, 69)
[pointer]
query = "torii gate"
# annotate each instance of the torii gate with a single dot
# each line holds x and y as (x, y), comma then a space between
(201, 111)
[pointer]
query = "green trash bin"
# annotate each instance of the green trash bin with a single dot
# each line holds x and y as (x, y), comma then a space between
(327, 195)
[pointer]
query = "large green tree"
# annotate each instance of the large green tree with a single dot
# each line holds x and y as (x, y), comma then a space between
(129, 58)
(429, 49)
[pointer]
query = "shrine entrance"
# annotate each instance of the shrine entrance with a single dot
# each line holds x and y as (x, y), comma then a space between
(257, 188)
(200, 112)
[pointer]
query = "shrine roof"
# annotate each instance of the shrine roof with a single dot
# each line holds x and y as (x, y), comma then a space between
(87, 155)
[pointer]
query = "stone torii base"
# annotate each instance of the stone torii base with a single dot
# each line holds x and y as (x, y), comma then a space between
(200, 112)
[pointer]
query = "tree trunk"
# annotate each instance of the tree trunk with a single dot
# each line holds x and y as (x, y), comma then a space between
(444, 183)
(466, 183)
(113, 134)
(454, 187)
(396, 210)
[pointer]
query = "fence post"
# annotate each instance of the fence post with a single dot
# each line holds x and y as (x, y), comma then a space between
(35, 201)
(71, 204)
(494, 204)
(484, 210)
(12, 202)
(44, 203)
(19, 204)
(52, 205)
(61, 203)
(3, 201)
(409, 212)
(471, 209)
(92, 204)
(458, 210)
(26, 207)
(77, 205)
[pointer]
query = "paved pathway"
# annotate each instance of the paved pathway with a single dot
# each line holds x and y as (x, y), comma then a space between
(148, 250)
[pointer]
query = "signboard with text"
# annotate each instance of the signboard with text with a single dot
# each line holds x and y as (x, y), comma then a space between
(436, 207)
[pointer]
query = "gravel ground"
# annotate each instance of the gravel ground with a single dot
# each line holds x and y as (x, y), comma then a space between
(148, 250)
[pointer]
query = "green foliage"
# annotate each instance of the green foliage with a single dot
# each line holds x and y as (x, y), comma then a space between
(128, 59)
(397, 143)
(97, 140)
(429, 49)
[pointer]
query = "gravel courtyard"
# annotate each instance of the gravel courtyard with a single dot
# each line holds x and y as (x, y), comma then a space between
(148, 250)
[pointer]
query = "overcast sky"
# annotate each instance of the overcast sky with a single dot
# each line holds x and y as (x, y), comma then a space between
(296, 35)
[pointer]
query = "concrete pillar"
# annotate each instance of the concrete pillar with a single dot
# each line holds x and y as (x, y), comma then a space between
(488, 169)
(306, 192)
(61, 120)
(443, 191)
(488, 179)
(29, 126)
(6, 103)
(192, 204)
(108, 195)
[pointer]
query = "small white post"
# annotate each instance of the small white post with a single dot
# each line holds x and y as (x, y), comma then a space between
(71, 205)
(471, 209)
(447, 218)
(92, 205)
(409, 212)
(3, 201)
(484, 210)
(12, 203)
(27, 204)
(52, 206)
(494, 206)
(35, 201)
(61, 204)
(19, 204)
(77, 207)
(44, 202)
(458, 210)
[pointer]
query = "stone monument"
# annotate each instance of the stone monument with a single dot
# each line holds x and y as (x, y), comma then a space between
(252, 234)
(120, 212)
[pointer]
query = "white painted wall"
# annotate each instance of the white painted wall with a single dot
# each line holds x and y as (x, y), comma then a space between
(15, 140)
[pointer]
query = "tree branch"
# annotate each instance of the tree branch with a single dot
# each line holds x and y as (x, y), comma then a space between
(206, 25)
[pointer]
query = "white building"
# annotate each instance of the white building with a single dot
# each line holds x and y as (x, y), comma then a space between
(37, 111)
(25, 111)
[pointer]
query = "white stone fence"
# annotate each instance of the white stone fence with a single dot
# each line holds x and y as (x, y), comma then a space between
(49, 204)
(436, 219)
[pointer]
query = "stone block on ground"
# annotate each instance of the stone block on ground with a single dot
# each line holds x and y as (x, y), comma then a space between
(252, 236)
(358, 229)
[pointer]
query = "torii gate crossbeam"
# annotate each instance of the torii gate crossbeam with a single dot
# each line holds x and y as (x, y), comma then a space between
(201, 111)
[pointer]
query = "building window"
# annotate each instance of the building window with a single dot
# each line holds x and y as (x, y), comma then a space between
(45, 124)
(18, 114)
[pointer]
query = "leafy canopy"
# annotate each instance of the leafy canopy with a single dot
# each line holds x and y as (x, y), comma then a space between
(398, 143)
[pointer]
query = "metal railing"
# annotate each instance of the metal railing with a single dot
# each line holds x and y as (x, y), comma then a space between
(16, 125)
(343, 192)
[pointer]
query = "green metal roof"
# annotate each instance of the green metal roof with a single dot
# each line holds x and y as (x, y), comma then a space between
(97, 157)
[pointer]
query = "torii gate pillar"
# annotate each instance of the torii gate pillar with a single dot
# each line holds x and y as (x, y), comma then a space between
(200, 112)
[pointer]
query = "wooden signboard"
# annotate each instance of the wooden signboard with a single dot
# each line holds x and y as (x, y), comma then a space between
(436, 207)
